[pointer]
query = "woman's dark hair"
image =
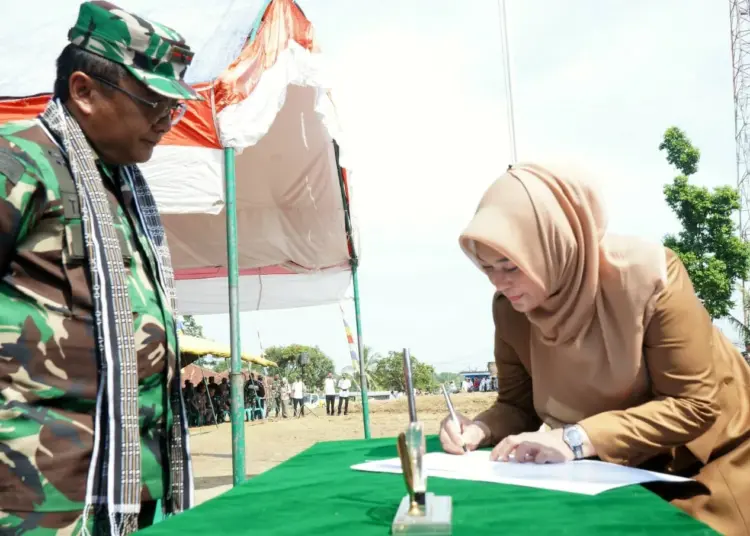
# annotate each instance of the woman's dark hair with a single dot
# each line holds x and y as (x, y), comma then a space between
(74, 58)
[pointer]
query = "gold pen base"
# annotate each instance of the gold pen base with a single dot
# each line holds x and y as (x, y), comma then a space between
(434, 519)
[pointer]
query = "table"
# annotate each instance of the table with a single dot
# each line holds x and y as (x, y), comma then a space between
(316, 493)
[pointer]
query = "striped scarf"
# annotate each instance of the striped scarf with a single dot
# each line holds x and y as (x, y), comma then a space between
(113, 487)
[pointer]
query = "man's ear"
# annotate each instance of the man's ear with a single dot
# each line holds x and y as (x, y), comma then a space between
(81, 90)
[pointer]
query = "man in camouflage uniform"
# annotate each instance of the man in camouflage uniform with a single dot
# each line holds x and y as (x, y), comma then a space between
(251, 391)
(277, 395)
(219, 404)
(120, 82)
(271, 395)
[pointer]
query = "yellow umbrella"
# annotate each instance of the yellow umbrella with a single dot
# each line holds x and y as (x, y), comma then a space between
(196, 346)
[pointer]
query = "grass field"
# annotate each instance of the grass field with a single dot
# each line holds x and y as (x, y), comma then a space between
(268, 444)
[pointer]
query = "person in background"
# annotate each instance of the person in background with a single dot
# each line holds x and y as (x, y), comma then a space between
(344, 385)
(274, 395)
(280, 396)
(252, 398)
(329, 386)
(268, 382)
(286, 392)
(87, 291)
(603, 339)
(191, 400)
(250, 391)
(201, 404)
(465, 385)
(216, 405)
(261, 383)
(187, 392)
(298, 397)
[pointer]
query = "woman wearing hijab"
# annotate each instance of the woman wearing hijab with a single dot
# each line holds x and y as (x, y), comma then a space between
(603, 339)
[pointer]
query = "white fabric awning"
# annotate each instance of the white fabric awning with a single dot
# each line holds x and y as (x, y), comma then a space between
(268, 99)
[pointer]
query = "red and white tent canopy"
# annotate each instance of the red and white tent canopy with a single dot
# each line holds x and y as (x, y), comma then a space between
(269, 99)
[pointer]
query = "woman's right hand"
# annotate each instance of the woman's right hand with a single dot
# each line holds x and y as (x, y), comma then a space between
(469, 433)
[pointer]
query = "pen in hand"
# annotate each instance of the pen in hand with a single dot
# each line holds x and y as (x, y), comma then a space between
(454, 418)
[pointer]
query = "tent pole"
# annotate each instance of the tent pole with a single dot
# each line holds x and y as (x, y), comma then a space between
(354, 263)
(235, 375)
(360, 351)
(508, 82)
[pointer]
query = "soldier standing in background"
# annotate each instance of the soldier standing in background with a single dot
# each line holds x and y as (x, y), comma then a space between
(279, 398)
(251, 391)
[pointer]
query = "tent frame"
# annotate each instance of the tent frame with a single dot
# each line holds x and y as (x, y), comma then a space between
(235, 371)
(354, 263)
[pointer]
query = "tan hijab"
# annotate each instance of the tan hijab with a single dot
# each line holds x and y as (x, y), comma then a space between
(585, 352)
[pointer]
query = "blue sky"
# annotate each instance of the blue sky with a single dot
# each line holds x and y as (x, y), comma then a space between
(420, 89)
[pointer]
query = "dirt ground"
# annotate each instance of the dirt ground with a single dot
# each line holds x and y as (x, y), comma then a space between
(267, 444)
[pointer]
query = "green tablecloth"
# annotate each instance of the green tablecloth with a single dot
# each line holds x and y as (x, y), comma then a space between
(316, 493)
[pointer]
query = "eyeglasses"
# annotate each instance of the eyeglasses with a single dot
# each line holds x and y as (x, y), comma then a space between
(160, 109)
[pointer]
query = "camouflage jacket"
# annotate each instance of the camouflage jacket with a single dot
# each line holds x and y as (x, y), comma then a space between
(48, 361)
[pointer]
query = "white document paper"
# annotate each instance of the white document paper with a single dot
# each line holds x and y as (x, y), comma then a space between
(586, 477)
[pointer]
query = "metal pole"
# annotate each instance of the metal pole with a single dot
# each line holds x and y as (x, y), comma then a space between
(354, 263)
(235, 375)
(361, 352)
(409, 386)
(508, 85)
(739, 18)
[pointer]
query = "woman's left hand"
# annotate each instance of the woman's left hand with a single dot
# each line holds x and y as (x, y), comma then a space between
(534, 447)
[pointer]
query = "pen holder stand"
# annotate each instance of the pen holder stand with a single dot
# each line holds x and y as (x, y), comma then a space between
(435, 517)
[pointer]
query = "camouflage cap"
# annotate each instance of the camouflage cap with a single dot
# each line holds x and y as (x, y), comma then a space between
(153, 53)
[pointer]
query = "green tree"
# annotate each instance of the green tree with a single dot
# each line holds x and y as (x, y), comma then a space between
(389, 373)
(447, 377)
(680, 152)
(190, 326)
(714, 256)
(287, 358)
(220, 365)
(739, 324)
(370, 360)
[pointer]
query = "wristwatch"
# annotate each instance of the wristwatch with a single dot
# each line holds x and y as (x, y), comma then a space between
(573, 437)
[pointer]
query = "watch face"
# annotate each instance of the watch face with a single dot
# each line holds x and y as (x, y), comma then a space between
(573, 436)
